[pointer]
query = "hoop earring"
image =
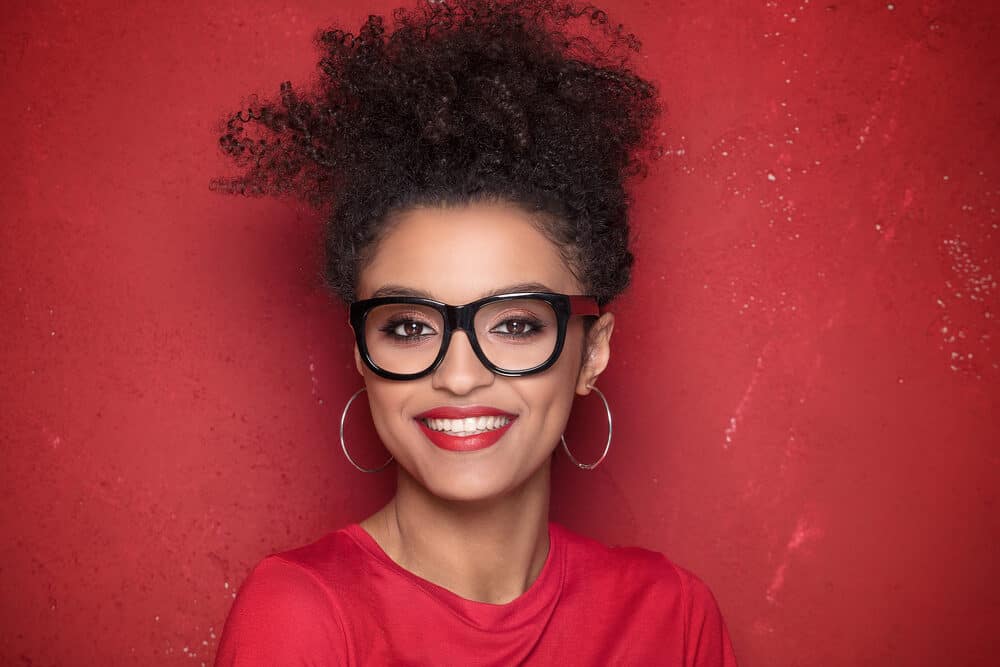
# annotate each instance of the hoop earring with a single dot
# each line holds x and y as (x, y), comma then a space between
(591, 466)
(343, 445)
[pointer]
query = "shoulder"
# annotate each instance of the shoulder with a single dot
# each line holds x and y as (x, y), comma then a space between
(645, 579)
(637, 566)
(310, 574)
(287, 610)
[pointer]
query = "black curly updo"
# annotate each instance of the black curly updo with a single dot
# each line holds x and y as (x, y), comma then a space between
(464, 101)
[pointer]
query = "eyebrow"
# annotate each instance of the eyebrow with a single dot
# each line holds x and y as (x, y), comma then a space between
(399, 290)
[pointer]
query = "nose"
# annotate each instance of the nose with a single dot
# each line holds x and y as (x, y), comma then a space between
(460, 371)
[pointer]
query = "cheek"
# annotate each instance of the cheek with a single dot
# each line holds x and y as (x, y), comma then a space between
(386, 400)
(549, 395)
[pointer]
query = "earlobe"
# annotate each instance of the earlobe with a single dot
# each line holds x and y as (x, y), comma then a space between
(598, 353)
(357, 361)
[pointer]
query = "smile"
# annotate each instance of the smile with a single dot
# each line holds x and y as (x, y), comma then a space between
(467, 426)
(464, 429)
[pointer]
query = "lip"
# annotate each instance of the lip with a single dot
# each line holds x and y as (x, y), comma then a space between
(461, 412)
(468, 443)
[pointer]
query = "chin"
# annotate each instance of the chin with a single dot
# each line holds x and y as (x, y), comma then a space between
(468, 488)
(478, 484)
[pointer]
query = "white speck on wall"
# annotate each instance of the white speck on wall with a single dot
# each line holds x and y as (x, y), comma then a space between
(805, 531)
(771, 177)
(974, 286)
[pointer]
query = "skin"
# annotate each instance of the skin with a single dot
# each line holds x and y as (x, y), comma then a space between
(475, 523)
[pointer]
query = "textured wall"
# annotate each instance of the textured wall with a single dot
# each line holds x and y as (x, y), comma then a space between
(805, 373)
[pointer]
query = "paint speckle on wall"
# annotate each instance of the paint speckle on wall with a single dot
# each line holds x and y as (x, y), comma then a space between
(967, 307)
(805, 532)
(734, 421)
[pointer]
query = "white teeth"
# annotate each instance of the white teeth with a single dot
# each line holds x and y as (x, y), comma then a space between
(467, 426)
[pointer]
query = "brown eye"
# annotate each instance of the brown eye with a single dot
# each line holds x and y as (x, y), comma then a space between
(514, 327)
(411, 328)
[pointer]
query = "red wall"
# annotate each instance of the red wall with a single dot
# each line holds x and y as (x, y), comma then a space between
(804, 375)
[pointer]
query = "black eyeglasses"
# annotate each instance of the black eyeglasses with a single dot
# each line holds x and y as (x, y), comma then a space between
(405, 338)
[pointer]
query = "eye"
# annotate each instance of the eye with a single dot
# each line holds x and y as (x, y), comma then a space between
(410, 329)
(517, 327)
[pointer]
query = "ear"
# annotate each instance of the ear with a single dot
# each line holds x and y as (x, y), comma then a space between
(357, 361)
(598, 352)
(358, 364)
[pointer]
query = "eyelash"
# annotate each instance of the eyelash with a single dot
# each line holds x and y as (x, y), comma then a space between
(390, 330)
(390, 327)
(536, 327)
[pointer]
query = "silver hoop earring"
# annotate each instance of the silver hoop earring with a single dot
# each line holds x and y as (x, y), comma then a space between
(343, 445)
(591, 466)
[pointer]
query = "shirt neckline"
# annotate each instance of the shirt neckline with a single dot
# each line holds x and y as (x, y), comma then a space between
(538, 600)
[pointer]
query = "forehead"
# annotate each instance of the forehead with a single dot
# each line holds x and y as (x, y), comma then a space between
(460, 253)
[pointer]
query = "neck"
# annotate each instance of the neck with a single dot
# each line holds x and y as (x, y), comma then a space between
(489, 550)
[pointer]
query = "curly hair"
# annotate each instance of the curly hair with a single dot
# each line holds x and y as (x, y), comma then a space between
(464, 101)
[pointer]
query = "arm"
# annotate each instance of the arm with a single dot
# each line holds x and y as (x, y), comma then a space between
(707, 639)
(282, 615)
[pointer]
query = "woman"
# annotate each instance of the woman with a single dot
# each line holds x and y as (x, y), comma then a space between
(474, 162)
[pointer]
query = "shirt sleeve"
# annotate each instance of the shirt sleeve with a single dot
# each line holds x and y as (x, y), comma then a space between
(707, 638)
(282, 615)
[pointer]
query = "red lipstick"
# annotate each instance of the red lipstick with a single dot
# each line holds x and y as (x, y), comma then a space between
(467, 443)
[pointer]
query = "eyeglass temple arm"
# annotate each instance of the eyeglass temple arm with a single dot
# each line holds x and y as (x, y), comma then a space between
(584, 305)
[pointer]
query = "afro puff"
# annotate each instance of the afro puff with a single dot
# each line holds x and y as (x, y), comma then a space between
(464, 101)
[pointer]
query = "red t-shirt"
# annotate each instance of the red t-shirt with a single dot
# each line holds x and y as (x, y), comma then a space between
(343, 601)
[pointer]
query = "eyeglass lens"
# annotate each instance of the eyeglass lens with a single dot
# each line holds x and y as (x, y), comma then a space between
(514, 334)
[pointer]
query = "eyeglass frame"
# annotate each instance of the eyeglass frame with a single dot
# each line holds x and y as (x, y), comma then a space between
(463, 318)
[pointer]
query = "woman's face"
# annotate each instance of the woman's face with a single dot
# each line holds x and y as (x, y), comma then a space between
(457, 255)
